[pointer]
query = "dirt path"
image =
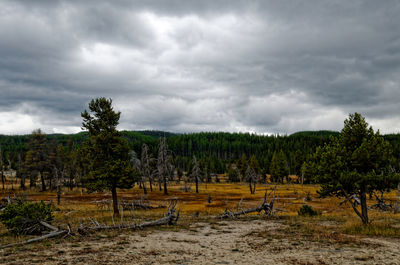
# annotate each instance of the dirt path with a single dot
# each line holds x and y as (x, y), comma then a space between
(233, 242)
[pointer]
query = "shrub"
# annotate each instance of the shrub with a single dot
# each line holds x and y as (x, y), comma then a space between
(307, 210)
(22, 217)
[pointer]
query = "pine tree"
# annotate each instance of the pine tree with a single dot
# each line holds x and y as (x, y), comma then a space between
(107, 153)
(357, 163)
(279, 167)
(37, 158)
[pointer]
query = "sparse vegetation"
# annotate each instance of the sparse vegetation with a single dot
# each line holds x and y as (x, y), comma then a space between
(307, 210)
(22, 217)
(214, 187)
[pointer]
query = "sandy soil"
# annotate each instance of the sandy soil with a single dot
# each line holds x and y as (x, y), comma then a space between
(231, 242)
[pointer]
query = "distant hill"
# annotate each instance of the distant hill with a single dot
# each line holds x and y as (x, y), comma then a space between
(322, 133)
(157, 134)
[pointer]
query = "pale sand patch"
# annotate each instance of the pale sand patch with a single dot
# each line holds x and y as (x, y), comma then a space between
(225, 242)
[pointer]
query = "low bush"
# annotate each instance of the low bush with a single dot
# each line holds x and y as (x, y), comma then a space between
(22, 217)
(307, 210)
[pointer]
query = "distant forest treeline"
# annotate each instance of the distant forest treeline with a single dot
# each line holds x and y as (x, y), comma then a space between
(214, 150)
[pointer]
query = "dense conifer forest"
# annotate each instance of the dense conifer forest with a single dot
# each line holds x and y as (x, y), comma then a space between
(214, 150)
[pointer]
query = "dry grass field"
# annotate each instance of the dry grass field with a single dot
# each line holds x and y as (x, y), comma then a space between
(334, 237)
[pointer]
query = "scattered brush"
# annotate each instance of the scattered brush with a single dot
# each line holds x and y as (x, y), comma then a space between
(307, 210)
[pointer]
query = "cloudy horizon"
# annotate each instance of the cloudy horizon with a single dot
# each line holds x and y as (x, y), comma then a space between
(187, 66)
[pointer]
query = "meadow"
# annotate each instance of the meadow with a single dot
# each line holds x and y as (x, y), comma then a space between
(336, 224)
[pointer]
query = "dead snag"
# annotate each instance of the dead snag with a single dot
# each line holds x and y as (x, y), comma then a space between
(268, 208)
(170, 218)
(55, 232)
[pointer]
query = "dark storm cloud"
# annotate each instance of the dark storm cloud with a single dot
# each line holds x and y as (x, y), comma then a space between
(262, 66)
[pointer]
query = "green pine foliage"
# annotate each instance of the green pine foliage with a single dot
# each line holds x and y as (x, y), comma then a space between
(307, 210)
(22, 217)
(279, 168)
(357, 163)
(106, 153)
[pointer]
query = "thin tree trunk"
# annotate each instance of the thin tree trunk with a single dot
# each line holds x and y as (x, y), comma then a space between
(70, 181)
(144, 187)
(58, 194)
(364, 209)
(115, 201)
(151, 185)
(165, 186)
(251, 190)
(2, 178)
(22, 183)
(43, 183)
(197, 185)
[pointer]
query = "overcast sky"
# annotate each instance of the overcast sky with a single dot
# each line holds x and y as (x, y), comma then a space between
(188, 66)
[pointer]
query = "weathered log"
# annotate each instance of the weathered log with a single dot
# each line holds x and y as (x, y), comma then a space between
(170, 219)
(54, 233)
(268, 208)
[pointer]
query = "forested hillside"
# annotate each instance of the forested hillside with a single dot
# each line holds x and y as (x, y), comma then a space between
(213, 149)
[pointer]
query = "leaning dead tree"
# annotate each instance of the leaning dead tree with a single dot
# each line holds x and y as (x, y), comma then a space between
(170, 218)
(382, 204)
(267, 208)
(53, 233)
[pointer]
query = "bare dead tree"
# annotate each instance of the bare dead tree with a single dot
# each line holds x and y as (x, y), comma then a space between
(146, 169)
(196, 173)
(382, 204)
(20, 172)
(53, 233)
(164, 163)
(267, 208)
(251, 177)
(137, 165)
(3, 178)
(170, 218)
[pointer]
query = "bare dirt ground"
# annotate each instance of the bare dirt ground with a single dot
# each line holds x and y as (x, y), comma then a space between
(222, 242)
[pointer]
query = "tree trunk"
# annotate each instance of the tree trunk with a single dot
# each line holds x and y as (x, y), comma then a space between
(70, 181)
(115, 201)
(144, 188)
(251, 190)
(165, 186)
(2, 178)
(197, 185)
(364, 209)
(43, 183)
(151, 185)
(58, 194)
(254, 187)
(22, 183)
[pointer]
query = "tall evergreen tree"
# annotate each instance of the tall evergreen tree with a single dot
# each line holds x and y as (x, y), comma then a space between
(242, 166)
(279, 168)
(357, 163)
(37, 158)
(107, 153)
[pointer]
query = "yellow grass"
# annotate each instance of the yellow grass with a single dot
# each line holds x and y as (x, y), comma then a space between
(77, 206)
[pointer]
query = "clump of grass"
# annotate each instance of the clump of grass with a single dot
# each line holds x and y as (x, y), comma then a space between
(374, 229)
(307, 210)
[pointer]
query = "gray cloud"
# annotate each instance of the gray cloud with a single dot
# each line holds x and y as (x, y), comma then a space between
(264, 66)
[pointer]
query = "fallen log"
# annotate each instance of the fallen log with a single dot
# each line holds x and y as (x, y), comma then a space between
(170, 219)
(54, 233)
(268, 208)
